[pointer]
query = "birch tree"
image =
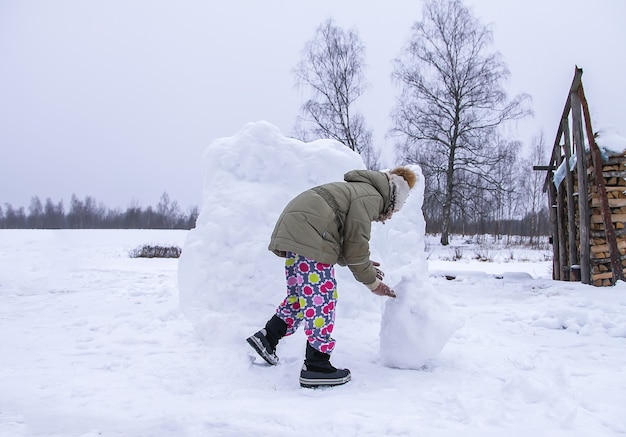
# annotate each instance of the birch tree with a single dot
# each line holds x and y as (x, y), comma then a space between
(332, 69)
(451, 103)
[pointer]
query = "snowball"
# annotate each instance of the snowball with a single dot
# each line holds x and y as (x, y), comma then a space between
(416, 325)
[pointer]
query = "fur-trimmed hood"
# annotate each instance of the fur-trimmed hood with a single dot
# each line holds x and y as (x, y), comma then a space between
(401, 181)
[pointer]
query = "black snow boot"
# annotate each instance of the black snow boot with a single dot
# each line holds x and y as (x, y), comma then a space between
(264, 342)
(318, 372)
(276, 329)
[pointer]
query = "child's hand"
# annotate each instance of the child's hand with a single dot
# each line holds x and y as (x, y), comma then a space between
(384, 290)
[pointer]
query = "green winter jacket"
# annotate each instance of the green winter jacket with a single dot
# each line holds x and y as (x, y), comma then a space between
(331, 223)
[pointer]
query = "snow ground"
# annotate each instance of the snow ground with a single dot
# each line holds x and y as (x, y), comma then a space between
(93, 343)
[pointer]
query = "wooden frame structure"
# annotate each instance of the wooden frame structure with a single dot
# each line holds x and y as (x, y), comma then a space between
(584, 211)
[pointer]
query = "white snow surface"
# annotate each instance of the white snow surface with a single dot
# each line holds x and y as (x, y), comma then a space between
(609, 139)
(95, 343)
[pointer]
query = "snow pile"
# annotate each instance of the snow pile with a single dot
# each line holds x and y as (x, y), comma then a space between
(610, 141)
(230, 283)
(226, 273)
(418, 323)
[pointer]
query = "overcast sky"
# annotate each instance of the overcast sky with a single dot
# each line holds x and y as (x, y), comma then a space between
(118, 99)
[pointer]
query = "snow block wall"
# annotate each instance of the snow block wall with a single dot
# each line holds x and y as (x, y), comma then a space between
(229, 281)
(230, 284)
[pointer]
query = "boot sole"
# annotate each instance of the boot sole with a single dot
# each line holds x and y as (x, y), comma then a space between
(323, 382)
(256, 344)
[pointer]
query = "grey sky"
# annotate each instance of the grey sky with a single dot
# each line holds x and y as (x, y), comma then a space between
(118, 99)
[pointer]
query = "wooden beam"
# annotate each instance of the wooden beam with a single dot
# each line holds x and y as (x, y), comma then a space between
(556, 260)
(571, 205)
(576, 82)
(564, 269)
(583, 188)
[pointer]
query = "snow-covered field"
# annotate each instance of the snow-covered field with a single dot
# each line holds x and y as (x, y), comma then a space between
(93, 343)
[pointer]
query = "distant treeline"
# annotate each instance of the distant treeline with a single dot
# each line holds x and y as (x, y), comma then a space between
(88, 214)
(531, 225)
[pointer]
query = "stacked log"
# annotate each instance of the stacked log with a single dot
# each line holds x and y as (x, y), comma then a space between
(614, 173)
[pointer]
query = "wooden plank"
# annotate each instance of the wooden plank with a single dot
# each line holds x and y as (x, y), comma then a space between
(556, 259)
(614, 174)
(583, 188)
(618, 273)
(613, 203)
(605, 275)
(598, 261)
(560, 230)
(578, 72)
(597, 218)
(616, 160)
(571, 203)
(605, 247)
(601, 234)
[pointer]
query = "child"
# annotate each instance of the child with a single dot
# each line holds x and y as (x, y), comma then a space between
(326, 225)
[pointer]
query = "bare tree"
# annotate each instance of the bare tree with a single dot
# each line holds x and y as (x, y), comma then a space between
(76, 215)
(85, 214)
(531, 186)
(54, 215)
(169, 211)
(89, 215)
(333, 69)
(451, 103)
(35, 213)
(504, 205)
(14, 218)
(132, 216)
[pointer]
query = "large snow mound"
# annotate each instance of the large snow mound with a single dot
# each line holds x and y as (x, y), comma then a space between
(230, 283)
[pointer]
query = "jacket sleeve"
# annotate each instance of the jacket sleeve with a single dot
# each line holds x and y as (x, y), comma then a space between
(357, 230)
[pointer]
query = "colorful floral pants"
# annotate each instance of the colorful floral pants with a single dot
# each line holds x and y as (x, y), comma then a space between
(311, 299)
